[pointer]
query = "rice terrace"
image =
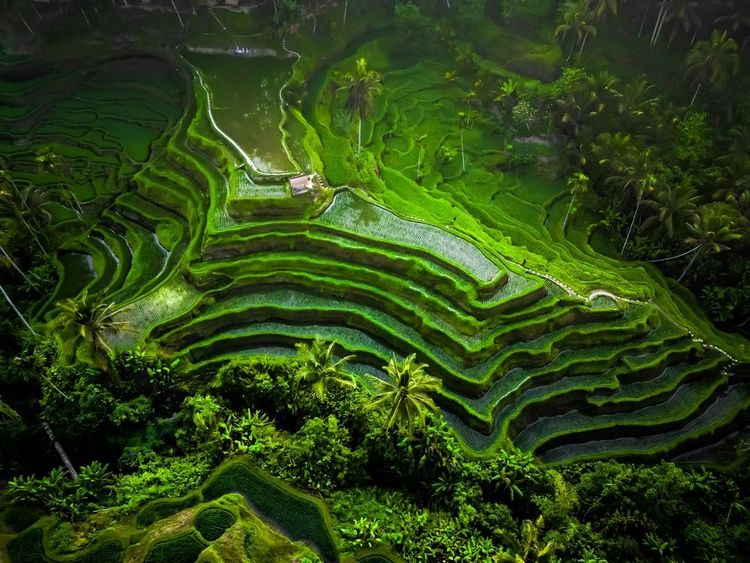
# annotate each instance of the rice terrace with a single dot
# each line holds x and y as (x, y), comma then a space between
(374, 281)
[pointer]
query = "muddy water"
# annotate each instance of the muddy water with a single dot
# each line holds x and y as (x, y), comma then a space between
(245, 103)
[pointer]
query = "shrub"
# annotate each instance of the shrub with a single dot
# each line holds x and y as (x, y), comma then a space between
(262, 385)
(320, 456)
(157, 478)
(62, 495)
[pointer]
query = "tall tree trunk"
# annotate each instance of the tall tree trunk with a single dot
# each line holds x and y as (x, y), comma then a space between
(583, 44)
(463, 161)
(26, 205)
(661, 24)
(658, 21)
(75, 199)
(643, 21)
(630, 230)
(695, 96)
(17, 269)
(33, 235)
(346, 7)
(60, 451)
(20, 15)
(675, 256)
(211, 11)
(565, 222)
(685, 271)
(33, 7)
(15, 309)
(179, 17)
(359, 136)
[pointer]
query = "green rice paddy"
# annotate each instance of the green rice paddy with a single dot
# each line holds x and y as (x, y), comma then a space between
(180, 169)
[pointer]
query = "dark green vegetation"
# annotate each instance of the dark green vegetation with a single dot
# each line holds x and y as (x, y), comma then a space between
(447, 339)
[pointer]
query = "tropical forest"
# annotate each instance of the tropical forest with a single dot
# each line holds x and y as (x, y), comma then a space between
(375, 281)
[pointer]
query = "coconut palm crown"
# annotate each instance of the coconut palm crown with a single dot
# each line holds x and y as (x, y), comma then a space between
(319, 367)
(407, 391)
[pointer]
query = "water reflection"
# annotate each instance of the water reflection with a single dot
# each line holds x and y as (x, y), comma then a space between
(246, 105)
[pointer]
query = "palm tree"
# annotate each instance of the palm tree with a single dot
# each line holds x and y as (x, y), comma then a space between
(319, 368)
(469, 97)
(179, 17)
(16, 311)
(23, 206)
(418, 142)
(712, 231)
(735, 154)
(738, 197)
(660, 19)
(406, 391)
(674, 206)
(601, 8)
(529, 546)
(577, 18)
(686, 15)
(362, 84)
(570, 115)
(85, 321)
(578, 183)
(636, 101)
(10, 420)
(601, 91)
(645, 184)
(617, 156)
(734, 16)
(464, 122)
(6, 258)
(714, 61)
(508, 94)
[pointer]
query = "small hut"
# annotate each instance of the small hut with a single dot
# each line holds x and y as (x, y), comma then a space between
(305, 183)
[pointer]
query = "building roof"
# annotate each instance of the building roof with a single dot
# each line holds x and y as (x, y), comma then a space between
(302, 184)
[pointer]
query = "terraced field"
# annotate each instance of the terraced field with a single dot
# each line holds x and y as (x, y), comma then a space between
(216, 260)
(240, 509)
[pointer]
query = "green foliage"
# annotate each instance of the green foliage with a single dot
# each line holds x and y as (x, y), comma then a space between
(696, 140)
(84, 323)
(415, 30)
(527, 9)
(321, 458)
(87, 406)
(63, 496)
(144, 373)
(529, 545)
(249, 432)
(157, 478)
(262, 385)
(406, 392)
(133, 412)
(318, 368)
